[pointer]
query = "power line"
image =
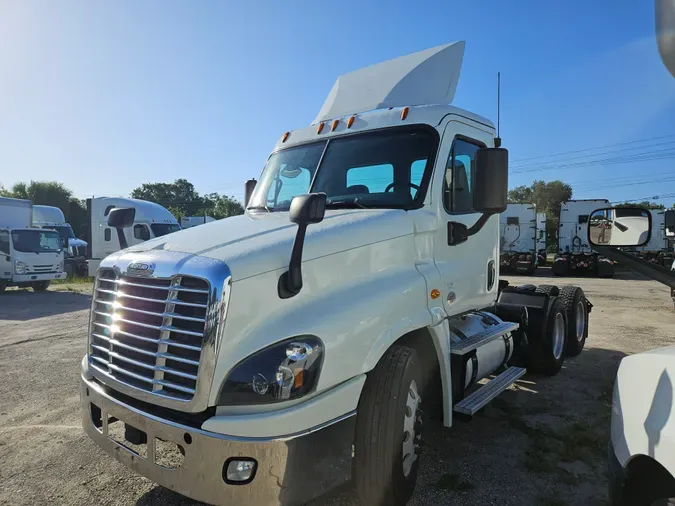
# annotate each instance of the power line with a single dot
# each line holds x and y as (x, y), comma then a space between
(595, 148)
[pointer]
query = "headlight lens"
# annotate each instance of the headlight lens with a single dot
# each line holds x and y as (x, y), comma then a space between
(283, 371)
(20, 267)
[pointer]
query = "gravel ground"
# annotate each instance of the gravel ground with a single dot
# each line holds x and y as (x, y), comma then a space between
(541, 443)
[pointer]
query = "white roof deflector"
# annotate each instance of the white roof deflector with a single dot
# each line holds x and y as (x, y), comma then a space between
(424, 78)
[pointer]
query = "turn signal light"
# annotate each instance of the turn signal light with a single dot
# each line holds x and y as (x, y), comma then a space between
(404, 113)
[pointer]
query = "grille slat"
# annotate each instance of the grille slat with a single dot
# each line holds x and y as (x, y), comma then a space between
(153, 340)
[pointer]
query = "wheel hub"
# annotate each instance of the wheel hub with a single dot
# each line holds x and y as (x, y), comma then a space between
(558, 336)
(411, 428)
(580, 320)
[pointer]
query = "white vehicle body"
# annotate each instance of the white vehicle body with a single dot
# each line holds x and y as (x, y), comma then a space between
(28, 256)
(152, 220)
(658, 242)
(628, 228)
(518, 243)
(575, 255)
(373, 278)
(193, 221)
(52, 217)
(642, 449)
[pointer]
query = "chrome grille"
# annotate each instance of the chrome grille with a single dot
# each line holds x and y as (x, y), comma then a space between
(148, 332)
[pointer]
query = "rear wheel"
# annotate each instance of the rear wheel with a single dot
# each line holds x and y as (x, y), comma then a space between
(388, 430)
(576, 310)
(560, 268)
(548, 290)
(40, 286)
(547, 353)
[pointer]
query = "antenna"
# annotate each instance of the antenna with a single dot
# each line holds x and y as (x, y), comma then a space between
(498, 139)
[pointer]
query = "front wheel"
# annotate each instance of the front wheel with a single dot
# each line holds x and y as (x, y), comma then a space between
(388, 430)
(40, 286)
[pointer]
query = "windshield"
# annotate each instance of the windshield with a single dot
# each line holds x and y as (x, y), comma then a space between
(160, 229)
(36, 241)
(376, 169)
(63, 230)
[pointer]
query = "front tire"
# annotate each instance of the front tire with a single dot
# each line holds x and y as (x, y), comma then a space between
(388, 430)
(40, 286)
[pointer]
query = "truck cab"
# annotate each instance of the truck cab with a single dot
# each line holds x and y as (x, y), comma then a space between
(151, 221)
(290, 349)
(75, 250)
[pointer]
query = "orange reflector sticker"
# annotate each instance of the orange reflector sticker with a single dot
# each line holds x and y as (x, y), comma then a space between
(435, 294)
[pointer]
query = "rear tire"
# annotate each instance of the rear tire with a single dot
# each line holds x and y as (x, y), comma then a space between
(548, 290)
(40, 286)
(388, 430)
(576, 310)
(546, 355)
(560, 268)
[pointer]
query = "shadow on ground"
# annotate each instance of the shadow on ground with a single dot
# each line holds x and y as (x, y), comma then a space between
(23, 305)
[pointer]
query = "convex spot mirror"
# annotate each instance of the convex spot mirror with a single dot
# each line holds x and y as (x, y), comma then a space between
(121, 217)
(620, 227)
(490, 180)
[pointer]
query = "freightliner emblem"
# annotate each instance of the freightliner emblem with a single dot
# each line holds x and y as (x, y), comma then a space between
(141, 268)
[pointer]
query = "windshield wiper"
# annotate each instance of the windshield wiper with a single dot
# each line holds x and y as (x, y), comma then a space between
(348, 204)
(259, 208)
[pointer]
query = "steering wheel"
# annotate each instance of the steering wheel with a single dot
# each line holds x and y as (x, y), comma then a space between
(391, 185)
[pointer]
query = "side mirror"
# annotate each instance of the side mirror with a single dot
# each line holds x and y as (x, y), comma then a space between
(249, 186)
(119, 219)
(305, 210)
(490, 180)
(669, 222)
(620, 227)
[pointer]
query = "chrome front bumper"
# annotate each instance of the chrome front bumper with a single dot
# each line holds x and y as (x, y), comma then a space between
(290, 470)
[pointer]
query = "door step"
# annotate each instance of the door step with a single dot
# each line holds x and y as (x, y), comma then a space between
(472, 403)
(489, 334)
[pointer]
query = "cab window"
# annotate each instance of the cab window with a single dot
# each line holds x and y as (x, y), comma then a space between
(457, 184)
(141, 232)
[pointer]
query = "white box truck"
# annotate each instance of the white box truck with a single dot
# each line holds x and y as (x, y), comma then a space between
(152, 220)
(76, 249)
(29, 257)
(575, 256)
(279, 353)
(518, 242)
(193, 221)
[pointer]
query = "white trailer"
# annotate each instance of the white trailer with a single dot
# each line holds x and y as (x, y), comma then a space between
(29, 257)
(152, 220)
(291, 348)
(575, 256)
(518, 244)
(193, 221)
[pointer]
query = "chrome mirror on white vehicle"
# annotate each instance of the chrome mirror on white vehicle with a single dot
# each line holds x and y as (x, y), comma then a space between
(619, 227)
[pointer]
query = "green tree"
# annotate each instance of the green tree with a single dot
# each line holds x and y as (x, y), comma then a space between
(180, 197)
(226, 206)
(547, 196)
(645, 204)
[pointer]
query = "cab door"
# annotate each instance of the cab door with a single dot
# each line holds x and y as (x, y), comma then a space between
(469, 270)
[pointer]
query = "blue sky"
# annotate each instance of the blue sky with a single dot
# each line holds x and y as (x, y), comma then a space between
(105, 96)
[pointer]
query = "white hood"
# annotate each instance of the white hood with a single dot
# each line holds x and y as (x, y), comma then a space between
(261, 242)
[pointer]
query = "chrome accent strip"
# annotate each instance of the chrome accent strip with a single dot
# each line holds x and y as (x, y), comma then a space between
(148, 299)
(139, 377)
(151, 313)
(157, 368)
(167, 356)
(145, 339)
(124, 282)
(171, 265)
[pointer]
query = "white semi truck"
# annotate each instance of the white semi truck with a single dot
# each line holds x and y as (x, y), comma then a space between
(29, 257)
(285, 351)
(519, 240)
(75, 250)
(193, 221)
(151, 220)
(658, 250)
(575, 256)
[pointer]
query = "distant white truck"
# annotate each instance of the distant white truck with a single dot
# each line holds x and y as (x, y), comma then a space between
(518, 242)
(75, 250)
(151, 221)
(29, 257)
(193, 221)
(575, 256)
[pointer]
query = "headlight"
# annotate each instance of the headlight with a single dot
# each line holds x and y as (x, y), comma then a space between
(283, 371)
(20, 267)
